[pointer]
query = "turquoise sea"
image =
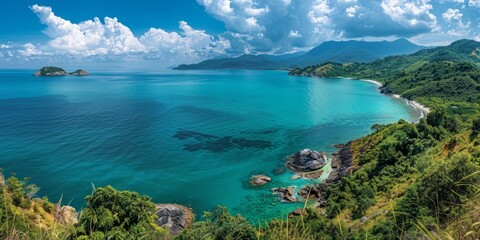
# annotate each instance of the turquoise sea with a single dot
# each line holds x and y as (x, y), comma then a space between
(192, 138)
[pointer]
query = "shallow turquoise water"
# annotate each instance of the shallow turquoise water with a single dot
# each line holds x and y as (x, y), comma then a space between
(192, 138)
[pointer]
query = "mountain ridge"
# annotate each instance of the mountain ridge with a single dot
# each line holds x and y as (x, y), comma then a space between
(329, 51)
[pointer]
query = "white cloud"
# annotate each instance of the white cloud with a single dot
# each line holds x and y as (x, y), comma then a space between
(474, 3)
(452, 14)
(319, 12)
(5, 46)
(350, 11)
(194, 43)
(30, 50)
(454, 18)
(89, 37)
(410, 13)
(295, 34)
(111, 38)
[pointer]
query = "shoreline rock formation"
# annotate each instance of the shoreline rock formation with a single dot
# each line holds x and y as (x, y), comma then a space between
(2, 180)
(306, 160)
(65, 215)
(174, 217)
(285, 195)
(342, 163)
(259, 180)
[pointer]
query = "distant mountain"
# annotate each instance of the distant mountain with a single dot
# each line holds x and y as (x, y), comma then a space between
(331, 51)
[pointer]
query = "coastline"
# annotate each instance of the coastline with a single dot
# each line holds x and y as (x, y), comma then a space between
(424, 110)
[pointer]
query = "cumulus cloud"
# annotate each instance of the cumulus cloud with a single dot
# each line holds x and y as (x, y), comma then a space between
(350, 11)
(30, 50)
(474, 3)
(410, 13)
(454, 18)
(88, 37)
(110, 37)
(452, 14)
(252, 26)
(316, 21)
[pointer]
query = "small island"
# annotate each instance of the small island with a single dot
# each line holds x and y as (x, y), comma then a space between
(57, 71)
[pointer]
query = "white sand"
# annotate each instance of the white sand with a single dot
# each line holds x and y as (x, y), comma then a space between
(379, 84)
(423, 109)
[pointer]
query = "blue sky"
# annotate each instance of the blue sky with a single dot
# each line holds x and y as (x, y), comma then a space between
(165, 33)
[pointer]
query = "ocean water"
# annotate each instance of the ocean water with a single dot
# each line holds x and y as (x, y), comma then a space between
(192, 138)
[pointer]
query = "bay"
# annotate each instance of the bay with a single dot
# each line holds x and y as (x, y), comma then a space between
(192, 138)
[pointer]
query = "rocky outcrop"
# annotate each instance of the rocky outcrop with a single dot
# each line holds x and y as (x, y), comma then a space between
(66, 215)
(342, 164)
(174, 217)
(259, 180)
(2, 180)
(310, 193)
(285, 194)
(316, 193)
(298, 212)
(306, 160)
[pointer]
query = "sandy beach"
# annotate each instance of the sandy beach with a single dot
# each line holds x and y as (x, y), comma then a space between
(423, 109)
(379, 84)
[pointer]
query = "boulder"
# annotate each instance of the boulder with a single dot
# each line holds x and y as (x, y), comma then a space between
(342, 164)
(66, 215)
(2, 180)
(306, 160)
(310, 193)
(174, 217)
(285, 194)
(259, 180)
(297, 212)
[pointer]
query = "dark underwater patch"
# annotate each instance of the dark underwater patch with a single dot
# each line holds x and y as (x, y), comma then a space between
(218, 144)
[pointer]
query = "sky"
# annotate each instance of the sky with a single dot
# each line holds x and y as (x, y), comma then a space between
(165, 33)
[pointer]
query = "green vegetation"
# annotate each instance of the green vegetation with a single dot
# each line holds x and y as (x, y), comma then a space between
(22, 217)
(51, 71)
(112, 214)
(415, 180)
(408, 181)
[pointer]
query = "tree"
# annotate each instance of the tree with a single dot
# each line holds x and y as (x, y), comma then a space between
(219, 225)
(118, 215)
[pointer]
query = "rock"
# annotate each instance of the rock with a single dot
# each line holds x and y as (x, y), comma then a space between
(342, 164)
(285, 194)
(297, 212)
(259, 180)
(174, 217)
(279, 170)
(310, 193)
(66, 215)
(2, 180)
(335, 162)
(306, 160)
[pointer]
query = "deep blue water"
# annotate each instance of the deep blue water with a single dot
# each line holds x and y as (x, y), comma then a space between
(192, 138)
